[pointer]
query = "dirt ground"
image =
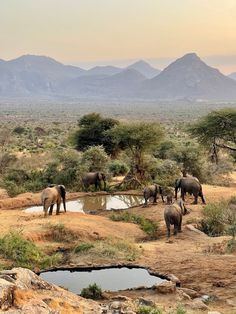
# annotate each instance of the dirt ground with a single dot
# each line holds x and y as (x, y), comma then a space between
(193, 257)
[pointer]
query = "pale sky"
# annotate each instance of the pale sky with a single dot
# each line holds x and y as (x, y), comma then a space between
(90, 31)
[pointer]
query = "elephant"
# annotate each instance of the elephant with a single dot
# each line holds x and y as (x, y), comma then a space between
(173, 215)
(152, 191)
(189, 185)
(53, 194)
(94, 178)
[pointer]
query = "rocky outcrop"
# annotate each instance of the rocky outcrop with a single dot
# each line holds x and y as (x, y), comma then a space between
(22, 291)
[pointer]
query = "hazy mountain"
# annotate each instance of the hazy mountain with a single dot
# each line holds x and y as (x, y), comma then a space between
(33, 74)
(190, 77)
(121, 84)
(233, 75)
(144, 68)
(104, 70)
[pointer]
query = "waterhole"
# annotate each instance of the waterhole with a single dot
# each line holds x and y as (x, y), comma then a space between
(88, 204)
(112, 279)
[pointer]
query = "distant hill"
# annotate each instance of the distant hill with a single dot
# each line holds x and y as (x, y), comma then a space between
(104, 70)
(186, 78)
(121, 84)
(190, 77)
(144, 68)
(31, 74)
(233, 75)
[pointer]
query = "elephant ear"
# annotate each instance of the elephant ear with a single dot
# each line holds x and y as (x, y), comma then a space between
(62, 190)
(99, 176)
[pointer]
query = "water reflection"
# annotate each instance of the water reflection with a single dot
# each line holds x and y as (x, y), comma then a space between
(99, 202)
(112, 279)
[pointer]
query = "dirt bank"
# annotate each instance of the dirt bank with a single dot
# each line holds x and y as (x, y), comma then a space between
(195, 258)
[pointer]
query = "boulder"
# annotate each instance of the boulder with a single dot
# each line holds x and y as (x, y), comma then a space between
(192, 293)
(6, 294)
(166, 287)
(197, 304)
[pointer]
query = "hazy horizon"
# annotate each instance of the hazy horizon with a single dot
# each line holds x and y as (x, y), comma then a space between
(83, 32)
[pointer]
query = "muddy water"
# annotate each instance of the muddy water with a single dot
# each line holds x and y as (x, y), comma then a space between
(99, 202)
(112, 279)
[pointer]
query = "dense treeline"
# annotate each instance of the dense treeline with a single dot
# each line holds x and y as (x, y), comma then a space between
(149, 151)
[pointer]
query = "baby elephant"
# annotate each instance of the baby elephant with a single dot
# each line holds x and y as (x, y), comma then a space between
(152, 191)
(173, 215)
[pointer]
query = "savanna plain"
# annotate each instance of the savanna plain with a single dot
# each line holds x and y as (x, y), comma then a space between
(134, 145)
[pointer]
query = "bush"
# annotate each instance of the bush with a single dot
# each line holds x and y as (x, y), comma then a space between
(144, 309)
(24, 253)
(95, 158)
(148, 226)
(117, 167)
(83, 247)
(92, 292)
(213, 221)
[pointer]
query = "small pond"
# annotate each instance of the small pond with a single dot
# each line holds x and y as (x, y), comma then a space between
(88, 204)
(112, 279)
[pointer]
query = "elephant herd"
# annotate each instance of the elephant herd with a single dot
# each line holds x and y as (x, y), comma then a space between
(175, 210)
(55, 194)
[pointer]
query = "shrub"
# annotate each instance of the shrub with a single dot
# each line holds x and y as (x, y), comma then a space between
(24, 253)
(83, 247)
(117, 167)
(93, 291)
(231, 246)
(148, 226)
(213, 221)
(95, 158)
(144, 309)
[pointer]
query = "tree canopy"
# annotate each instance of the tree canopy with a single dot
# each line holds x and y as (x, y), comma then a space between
(138, 138)
(217, 129)
(92, 132)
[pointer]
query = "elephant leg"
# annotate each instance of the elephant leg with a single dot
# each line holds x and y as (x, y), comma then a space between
(50, 210)
(176, 226)
(195, 199)
(155, 199)
(182, 194)
(168, 230)
(180, 224)
(202, 197)
(58, 208)
(145, 201)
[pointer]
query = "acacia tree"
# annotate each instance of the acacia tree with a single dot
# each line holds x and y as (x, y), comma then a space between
(138, 138)
(217, 130)
(92, 132)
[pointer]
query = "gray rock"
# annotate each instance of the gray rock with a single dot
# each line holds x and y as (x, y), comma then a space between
(146, 302)
(192, 293)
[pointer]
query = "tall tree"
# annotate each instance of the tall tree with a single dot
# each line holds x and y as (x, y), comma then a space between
(216, 130)
(138, 138)
(92, 132)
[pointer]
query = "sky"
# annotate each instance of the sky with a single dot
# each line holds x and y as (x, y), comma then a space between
(89, 32)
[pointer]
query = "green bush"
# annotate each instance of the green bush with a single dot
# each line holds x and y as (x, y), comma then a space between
(144, 309)
(92, 292)
(148, 226)
(213, 221)
(95, 158)
(117, 167)
(24, 253)
(83, 247)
